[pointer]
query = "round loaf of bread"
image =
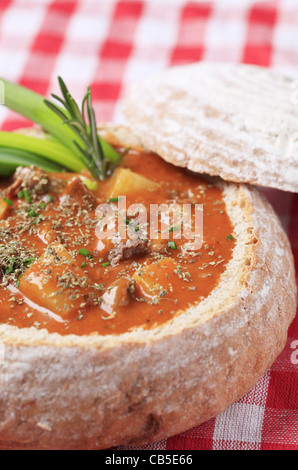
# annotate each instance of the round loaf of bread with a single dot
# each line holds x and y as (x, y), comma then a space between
(95, 392)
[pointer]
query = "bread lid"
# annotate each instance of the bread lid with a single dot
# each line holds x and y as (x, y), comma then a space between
(239, 122)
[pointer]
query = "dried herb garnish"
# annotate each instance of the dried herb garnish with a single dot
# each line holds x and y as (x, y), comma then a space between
(14, 261)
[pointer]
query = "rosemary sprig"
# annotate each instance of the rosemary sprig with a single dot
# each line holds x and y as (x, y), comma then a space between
(90, 146)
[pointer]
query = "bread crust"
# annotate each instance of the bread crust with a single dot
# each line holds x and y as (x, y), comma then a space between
(234, 121)
(93, 392)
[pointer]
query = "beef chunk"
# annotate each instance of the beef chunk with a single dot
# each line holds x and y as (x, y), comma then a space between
(76, 191)
(125, 250)
(29, 178)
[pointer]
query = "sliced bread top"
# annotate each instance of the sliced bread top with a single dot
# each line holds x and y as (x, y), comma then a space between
(239, 122)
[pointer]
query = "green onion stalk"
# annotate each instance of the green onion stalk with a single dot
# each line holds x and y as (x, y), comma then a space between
(70, 142)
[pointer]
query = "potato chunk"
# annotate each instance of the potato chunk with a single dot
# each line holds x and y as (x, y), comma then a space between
(116, 295)
(156, 280)
(4, 209)
(104, 246)
(125, 182)
(56, 283)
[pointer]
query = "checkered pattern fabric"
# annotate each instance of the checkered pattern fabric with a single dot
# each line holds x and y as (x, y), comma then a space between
(110, 45)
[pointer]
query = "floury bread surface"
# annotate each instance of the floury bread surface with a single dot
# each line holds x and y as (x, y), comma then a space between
(235, 121)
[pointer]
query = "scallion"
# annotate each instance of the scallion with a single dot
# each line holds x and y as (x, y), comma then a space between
(84, 252)
(8, 201)
(104, 265)
(71, 141)
(27, 196)
(172, 245)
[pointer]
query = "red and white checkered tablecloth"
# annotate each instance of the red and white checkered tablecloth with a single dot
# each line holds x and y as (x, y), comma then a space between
(110, 45)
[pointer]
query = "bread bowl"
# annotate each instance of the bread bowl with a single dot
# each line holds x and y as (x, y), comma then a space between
(93, 392)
